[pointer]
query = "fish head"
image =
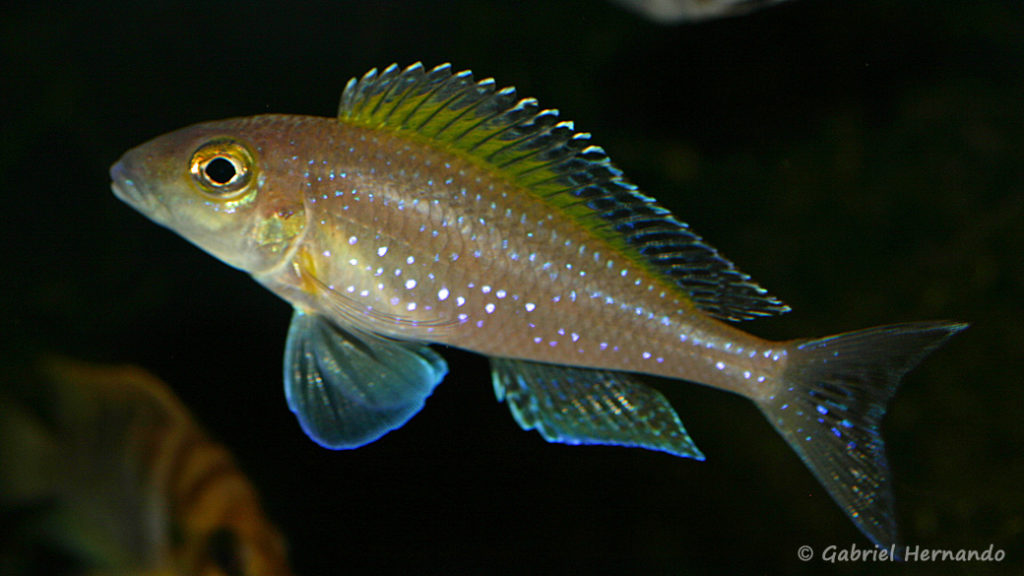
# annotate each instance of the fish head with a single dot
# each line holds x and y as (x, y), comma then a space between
(211, 183)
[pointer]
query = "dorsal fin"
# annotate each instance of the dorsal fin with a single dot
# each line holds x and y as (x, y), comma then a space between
(549, 159)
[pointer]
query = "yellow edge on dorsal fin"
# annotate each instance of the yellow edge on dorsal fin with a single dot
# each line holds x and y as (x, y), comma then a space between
(550, 160)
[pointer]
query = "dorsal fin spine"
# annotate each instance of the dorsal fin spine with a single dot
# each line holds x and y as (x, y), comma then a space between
(520, 109)
(505, 94)
(513, 124)
(439, 90)
(453, 94)
(422, 97)
(509, 95)
(550, 150)
(466, 100)
(469, 130)
(386, 85)
(470, 127)
(360, 95)
(542, 121)
(402, 88)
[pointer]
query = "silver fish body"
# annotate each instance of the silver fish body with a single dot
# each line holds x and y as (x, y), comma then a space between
(411, 243)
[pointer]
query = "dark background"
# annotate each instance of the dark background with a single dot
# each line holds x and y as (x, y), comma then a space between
(860, 159)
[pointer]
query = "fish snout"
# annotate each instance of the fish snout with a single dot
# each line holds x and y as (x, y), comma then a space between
(122, 184)
(128, 188)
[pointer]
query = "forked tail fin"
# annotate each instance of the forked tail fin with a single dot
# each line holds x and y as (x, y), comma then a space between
(831, 405)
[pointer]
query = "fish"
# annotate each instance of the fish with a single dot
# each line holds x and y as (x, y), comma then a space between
(116, 475)
(436, 209)
(678, 11)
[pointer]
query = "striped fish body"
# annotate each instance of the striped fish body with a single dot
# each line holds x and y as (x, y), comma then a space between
(136, 485)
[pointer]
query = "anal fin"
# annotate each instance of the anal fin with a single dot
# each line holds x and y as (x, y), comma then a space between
(583, 406)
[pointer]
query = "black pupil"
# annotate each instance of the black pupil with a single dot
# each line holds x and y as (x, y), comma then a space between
(220, 171)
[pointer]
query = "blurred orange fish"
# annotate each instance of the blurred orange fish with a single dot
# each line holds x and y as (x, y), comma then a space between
(127, 481)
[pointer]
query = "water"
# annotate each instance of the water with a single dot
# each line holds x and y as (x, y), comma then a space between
(860, 160)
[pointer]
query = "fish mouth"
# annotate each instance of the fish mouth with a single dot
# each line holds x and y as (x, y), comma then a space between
(128, 191)
(123, 186)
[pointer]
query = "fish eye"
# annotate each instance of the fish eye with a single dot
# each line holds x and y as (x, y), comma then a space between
(223, 168)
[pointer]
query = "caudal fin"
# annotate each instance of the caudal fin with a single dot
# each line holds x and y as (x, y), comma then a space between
(831, 405)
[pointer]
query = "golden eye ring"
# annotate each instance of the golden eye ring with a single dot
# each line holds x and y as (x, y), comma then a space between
(223, 168)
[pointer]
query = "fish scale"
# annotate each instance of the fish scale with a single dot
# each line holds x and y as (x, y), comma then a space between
(376, 244)
(437, 209)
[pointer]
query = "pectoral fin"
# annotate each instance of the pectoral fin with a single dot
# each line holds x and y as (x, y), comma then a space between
(581, 406)
(349, 388)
